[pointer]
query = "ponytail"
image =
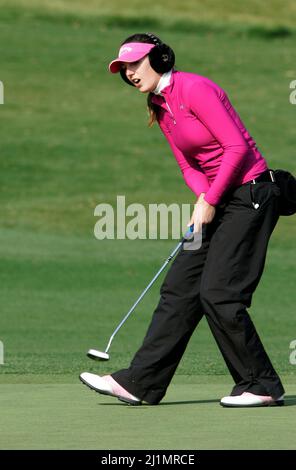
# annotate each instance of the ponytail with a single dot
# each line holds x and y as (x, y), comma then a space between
(153, 110)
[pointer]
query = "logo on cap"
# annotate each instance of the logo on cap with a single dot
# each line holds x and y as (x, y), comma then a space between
(124, 50)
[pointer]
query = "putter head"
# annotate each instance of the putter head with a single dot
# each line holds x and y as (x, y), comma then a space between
(98, 355)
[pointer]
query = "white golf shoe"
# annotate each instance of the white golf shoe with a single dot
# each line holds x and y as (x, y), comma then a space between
(249, 399)
(106, 385)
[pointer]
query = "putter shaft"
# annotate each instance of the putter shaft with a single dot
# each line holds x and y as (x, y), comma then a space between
(143, 293)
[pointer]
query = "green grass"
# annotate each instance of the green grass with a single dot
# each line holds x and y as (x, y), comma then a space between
(62, 109)
(251, 16)
(58, 297)
(66, 416)
(73, 136)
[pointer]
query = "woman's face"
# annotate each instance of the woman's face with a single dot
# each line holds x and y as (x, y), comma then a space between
(141, 74)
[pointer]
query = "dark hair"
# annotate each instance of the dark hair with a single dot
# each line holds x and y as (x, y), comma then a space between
(162, 59)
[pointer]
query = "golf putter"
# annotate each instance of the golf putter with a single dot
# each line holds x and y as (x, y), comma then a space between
(104, 356)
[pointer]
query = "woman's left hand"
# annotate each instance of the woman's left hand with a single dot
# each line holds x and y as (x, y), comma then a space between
(203, 213)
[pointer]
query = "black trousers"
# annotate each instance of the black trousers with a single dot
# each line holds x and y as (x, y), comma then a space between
(217, 280)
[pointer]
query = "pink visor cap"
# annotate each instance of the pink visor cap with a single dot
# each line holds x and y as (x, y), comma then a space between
(130, 52)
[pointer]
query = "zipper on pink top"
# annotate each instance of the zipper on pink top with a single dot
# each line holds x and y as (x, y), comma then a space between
(170, 111)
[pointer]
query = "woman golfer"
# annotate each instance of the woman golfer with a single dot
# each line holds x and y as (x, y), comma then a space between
(236, 209)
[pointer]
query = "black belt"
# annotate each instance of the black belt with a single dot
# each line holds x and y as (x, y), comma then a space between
(265, 177)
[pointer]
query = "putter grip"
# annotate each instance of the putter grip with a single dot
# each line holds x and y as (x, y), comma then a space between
(188, 234)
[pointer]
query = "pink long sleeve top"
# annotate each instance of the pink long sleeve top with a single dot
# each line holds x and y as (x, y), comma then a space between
(212, 147)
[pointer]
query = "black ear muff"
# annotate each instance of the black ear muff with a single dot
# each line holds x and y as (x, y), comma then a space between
(162, 58)
(124, 77)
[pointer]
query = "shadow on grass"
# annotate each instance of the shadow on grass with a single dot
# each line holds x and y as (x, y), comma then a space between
(290, 400)
(188, 402)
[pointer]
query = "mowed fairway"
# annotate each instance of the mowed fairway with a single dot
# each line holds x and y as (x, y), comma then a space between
(64, 416)
(73, 137)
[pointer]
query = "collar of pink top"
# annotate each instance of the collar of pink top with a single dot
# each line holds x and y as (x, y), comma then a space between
(157, 99)
(164, 81)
